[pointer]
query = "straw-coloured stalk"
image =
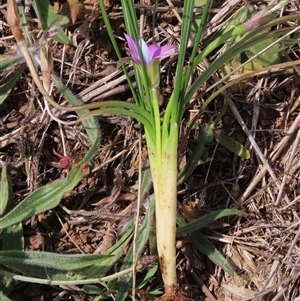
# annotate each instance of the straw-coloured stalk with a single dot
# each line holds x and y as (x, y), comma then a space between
(13, 20)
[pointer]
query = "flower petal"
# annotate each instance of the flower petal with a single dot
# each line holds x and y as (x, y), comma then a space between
(154, 51)
(149, 53)
(167, 50)
(133, 49)
(145, 52)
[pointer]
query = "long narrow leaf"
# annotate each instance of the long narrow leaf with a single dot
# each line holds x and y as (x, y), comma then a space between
(44, 198)
(194, 159)
(64, 268)
(233, 145)
(13, 235)
(205, 220)
(206, 247)
(5, 190)
(7, 60)
(6, 88)
(13, 259)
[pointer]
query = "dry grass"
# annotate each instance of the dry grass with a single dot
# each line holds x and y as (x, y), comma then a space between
(263, 245)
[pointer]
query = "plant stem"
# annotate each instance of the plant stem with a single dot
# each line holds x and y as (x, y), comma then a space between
(163, 164)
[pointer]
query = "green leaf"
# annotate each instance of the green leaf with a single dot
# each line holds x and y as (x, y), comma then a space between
(7, 60)
(5, 190)
(206, 247)
(15, 259)
(44, 198)
(155, 292)
(233, 145)
(41, 273)
(48, 19)
(6, 88)
(146, 180)
(13, 235)
(205, 220)
(240, 46)
(196, 21)
(150, 274)
(94, 290)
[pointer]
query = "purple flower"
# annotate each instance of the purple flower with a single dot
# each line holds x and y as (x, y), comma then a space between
(150, 53)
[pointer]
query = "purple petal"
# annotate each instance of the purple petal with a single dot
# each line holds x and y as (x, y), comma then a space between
(167, 50)
(150, 52)
(133, 49)
(154, 50)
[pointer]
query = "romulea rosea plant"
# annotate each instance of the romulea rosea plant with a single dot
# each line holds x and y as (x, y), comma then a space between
(161, 125)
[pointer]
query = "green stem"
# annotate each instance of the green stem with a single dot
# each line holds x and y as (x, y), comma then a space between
(164, 174)
(157, 124)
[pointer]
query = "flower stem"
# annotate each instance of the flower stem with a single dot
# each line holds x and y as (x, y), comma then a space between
(163, 163)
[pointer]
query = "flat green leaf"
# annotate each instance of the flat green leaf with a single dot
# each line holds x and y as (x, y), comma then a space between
(6, 285)
(5, 190)
(197, 17)
(14, 259)
(155, 292)
(6, 88)
(150, 274)
(40, 272)
(206, 247)
(233, 145)
(44, 198)
(94, 290)
(7, 60)
(146, 180)
(48, 19)
(12, 237)
(205, 220)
